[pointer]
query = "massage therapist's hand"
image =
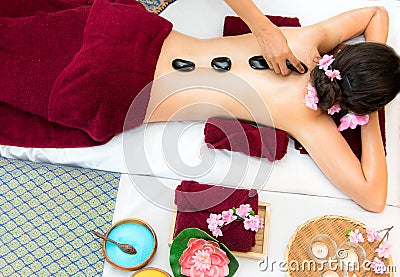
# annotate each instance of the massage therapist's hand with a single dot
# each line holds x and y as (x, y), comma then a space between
(273, 43)
(275, 48)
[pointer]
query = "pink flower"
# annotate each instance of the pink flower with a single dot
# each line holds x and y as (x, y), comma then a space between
(325, 62)
(333, 74)
(311, 98)
(243, 210)
(214, 221)
(228, 217)
(352, 120)
(216, 232)
(384, 250)
(253, 223)
(204, 258)
(334, 109)
(213, 227)
(372, 234)
(355, 236)
(378, 266)
(311, 89)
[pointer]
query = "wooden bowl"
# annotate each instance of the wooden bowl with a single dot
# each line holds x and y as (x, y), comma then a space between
(133, 231)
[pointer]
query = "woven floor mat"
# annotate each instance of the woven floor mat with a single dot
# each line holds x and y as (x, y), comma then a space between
(47, 212)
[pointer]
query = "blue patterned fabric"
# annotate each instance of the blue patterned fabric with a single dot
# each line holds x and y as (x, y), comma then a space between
(47, 213)
(156, 6)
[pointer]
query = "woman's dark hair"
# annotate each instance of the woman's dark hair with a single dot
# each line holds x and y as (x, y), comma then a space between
(370, 78)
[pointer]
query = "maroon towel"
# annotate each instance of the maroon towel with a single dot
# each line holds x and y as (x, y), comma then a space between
(35, 50)
(237, 136)
(234, 25)
(22, 8)
(115, 65)
(246, 139)
(196, 201)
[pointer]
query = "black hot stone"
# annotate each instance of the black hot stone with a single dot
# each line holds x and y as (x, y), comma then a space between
(183, 65)
(221, 63)
(291, 67)
(258, 62)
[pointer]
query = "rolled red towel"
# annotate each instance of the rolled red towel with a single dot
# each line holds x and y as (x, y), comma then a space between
(236, 136)
(234, 25)
(196, 201)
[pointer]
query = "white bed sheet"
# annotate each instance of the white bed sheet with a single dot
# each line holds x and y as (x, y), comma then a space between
(145, 148)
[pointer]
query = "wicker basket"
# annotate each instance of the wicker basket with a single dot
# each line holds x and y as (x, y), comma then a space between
(299, 258)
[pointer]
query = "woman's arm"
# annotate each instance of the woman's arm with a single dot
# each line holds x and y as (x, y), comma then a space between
(273, 43)
(373, 22)
(365, 182)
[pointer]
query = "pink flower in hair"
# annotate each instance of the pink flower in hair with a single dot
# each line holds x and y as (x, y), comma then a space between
(334, 109)
(311, 89)
(332, 74)
(352, 120)
(311, 98)
(325, 62)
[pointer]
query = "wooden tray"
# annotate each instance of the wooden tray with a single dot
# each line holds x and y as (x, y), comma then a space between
(258, 251)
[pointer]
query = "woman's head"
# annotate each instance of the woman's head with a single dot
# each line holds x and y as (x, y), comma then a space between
(370, 78)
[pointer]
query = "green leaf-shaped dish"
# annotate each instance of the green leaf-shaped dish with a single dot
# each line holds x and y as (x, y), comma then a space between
(179, 245)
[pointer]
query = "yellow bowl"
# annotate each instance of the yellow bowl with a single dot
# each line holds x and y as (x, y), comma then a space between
(151, 272)
(133, 231)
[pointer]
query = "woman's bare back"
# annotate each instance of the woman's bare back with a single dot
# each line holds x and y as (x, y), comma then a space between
(282, 96)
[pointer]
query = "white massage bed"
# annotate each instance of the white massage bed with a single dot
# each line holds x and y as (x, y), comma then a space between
(296, 188)
(187, 157)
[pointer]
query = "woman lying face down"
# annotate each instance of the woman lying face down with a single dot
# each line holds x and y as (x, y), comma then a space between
(369, 79)
(357, 82)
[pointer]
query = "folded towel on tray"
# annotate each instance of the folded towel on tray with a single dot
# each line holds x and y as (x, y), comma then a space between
(196, 201)
(52, 95)
(241, 137)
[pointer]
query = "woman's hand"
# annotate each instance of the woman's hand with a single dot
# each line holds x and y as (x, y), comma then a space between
(273, 44)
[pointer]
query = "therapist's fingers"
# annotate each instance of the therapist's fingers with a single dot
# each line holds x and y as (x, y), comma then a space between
(295, 62)
(278, 61)
(283, 68)
(273, 66)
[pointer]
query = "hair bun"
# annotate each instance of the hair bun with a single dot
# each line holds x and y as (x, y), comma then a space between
(328, 91)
